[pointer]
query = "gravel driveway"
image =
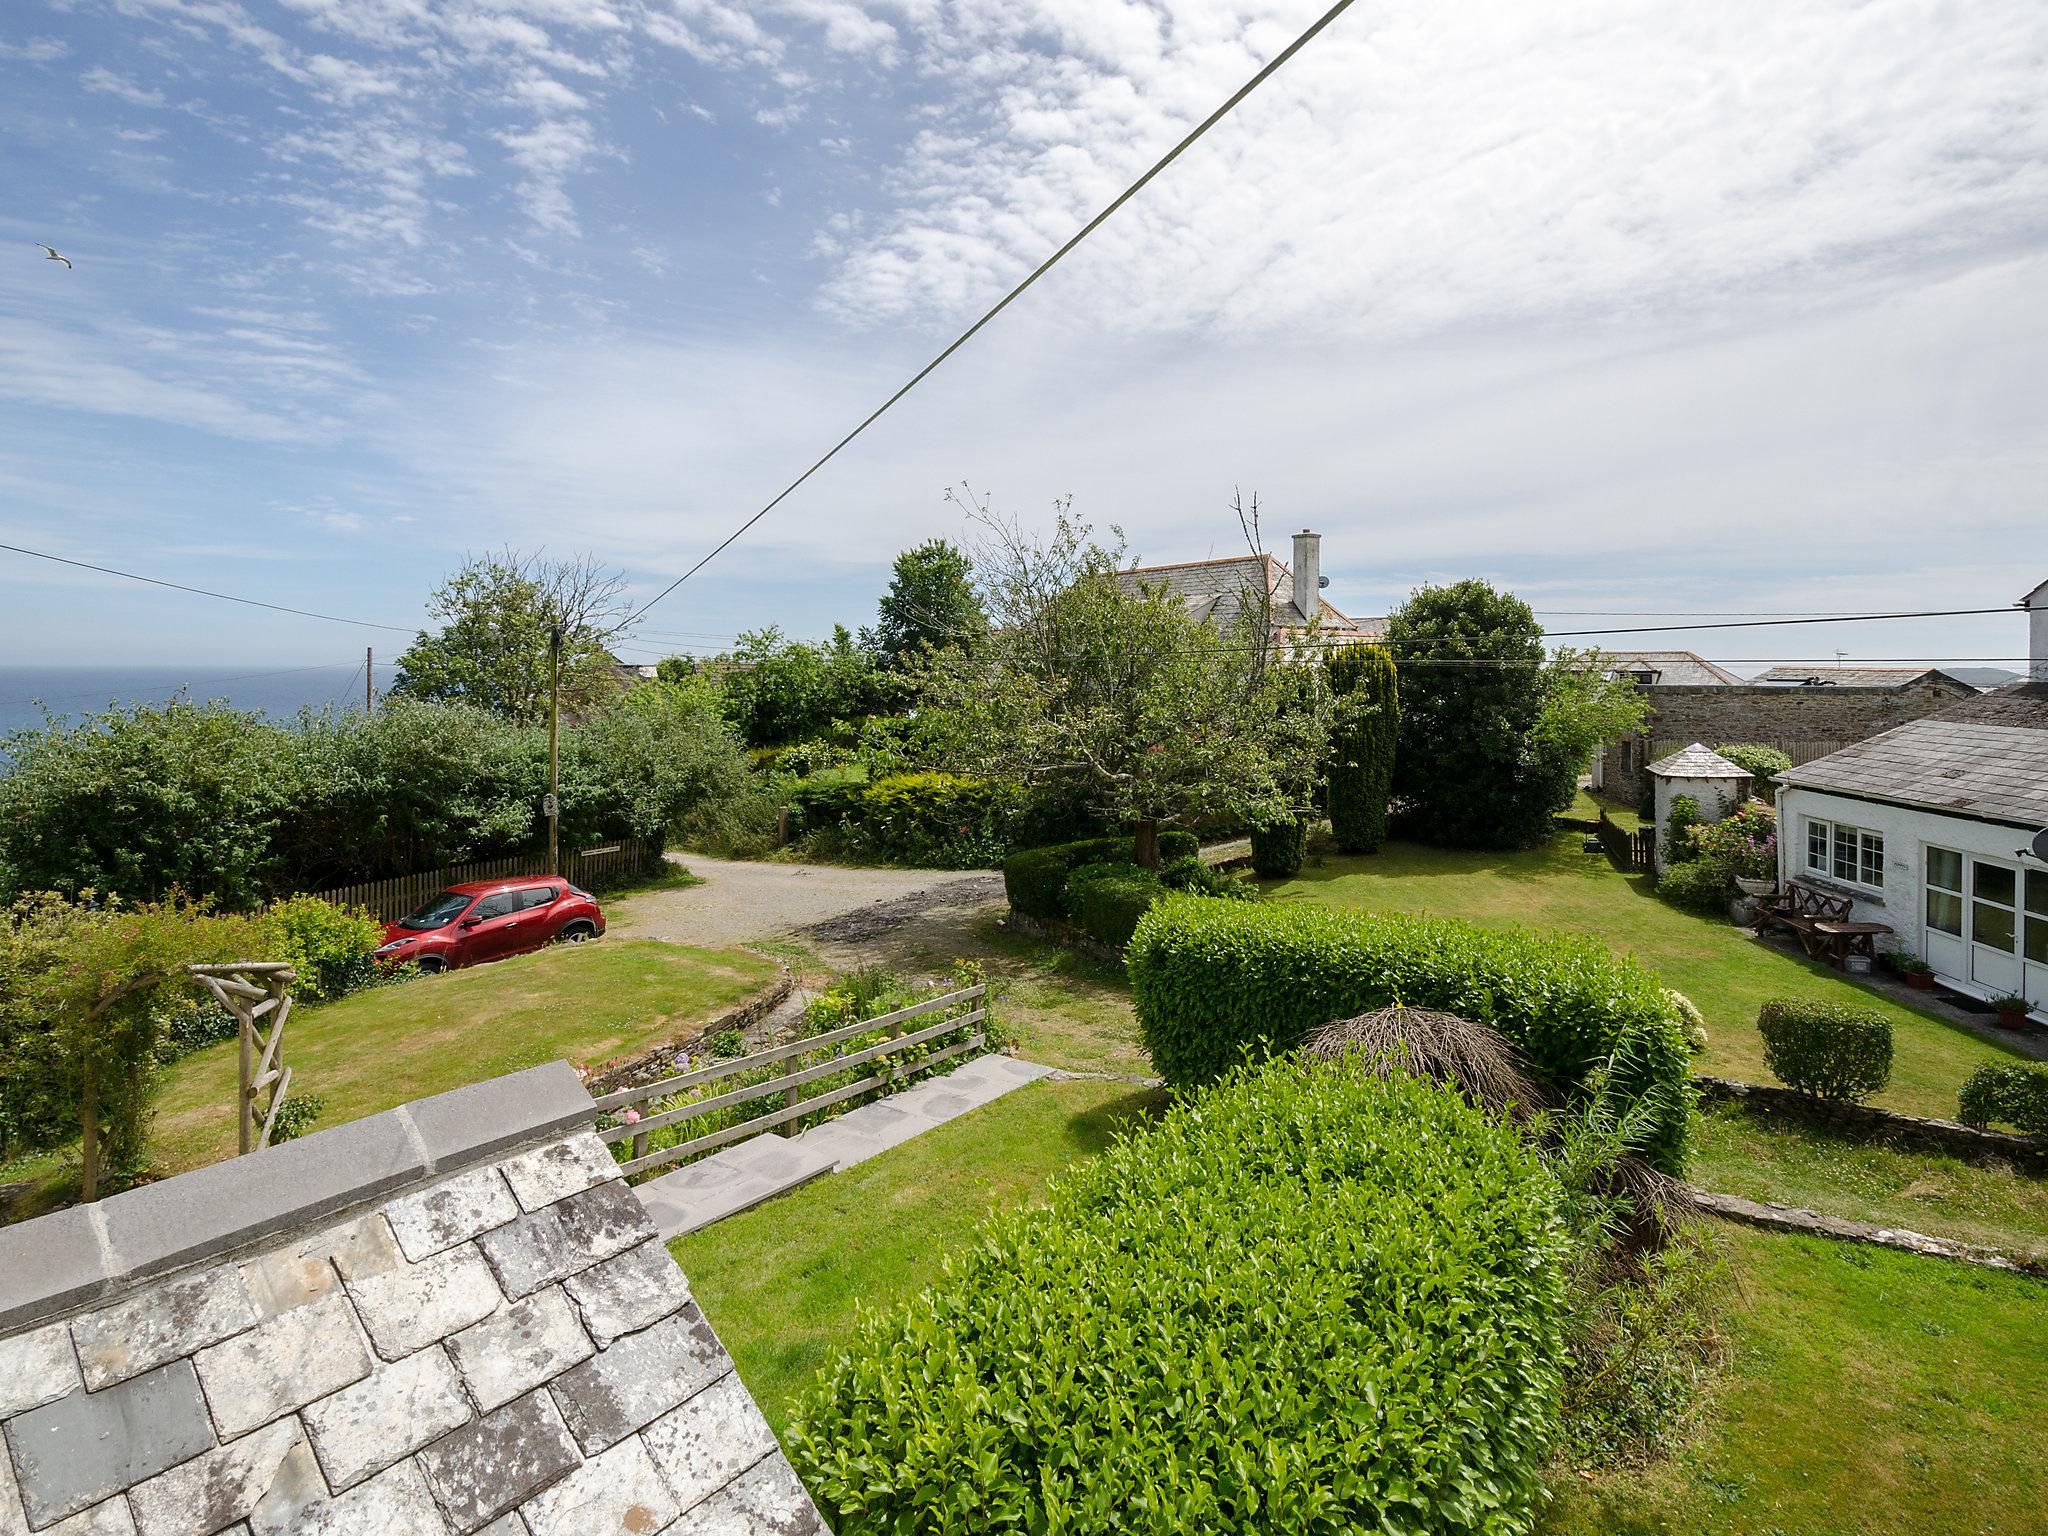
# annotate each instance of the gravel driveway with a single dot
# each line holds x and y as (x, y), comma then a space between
(742, 902)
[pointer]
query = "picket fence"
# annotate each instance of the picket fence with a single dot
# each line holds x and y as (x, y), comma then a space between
(592, 868)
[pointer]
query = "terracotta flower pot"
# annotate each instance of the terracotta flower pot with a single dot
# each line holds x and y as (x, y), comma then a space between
(2012, 1020)
(1920, 981)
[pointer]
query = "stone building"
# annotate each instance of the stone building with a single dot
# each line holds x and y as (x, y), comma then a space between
(453, 1317)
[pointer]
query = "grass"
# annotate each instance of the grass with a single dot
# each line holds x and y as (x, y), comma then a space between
(1739, 1153)
(784, 1282)
(1727, 973)
(1589, 803)
(380, 1048)
(1869, 1392)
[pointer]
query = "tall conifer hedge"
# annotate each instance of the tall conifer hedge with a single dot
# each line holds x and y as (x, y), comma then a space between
(1362, 740)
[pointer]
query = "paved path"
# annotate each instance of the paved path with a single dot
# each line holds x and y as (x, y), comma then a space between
(741, 902)
(740, 1177)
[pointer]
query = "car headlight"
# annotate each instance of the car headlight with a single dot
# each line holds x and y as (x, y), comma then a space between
(385, 949)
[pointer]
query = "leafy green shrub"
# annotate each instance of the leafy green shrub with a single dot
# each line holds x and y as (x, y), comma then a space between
(1313, 1300)
(1363, 734)
(295, 1116)
(2007, 1093)
(1035, 881)
(1108, 899)
(925, 817)
(328, 946)
(190, 1025)
(1213, 980)
(1175, 845)
(1679, 821)
(1826, 1049)
(1763, 764)
(1197, 877)
(725, 1045)
(1278, 851)
(1702, 885)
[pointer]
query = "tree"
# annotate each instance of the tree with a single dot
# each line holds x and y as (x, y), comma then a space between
(779, 691)
(1121, 695)
(82, 986)
(1364, 733)
(1585, 706)
(492, 648)
(931, 603)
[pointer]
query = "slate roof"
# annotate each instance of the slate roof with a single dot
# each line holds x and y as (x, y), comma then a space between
(1216, 589)
(1696, 762)
(1671, 667)
(1851, 677)
(1986, 757)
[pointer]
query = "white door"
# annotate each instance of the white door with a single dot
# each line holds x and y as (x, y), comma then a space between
(1944, 912)
(1994, 925)
(2034, 938)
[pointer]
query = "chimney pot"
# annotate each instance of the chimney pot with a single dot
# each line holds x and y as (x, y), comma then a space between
(1308, 572)
(2037, 633)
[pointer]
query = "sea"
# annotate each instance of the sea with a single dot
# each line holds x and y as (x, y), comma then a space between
(72, 692)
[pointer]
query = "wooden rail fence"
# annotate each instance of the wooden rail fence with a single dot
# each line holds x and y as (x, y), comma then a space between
(1635, 850)
(603, 863)
(793, 1078)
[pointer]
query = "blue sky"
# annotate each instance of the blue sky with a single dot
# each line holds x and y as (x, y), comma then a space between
(1622, 305)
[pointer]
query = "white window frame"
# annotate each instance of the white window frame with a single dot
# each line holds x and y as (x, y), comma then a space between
(1837, 838)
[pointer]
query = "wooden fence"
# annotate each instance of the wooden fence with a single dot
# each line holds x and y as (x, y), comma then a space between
(793, 1078)
(592, 868)
(1635, 850)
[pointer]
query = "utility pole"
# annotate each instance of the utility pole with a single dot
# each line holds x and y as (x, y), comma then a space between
(554, 801)
(369, 680)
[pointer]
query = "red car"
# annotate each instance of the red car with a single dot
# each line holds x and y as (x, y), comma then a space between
(488, 920)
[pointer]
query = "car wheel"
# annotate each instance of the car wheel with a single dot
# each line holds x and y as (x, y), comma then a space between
(577, 933)
(431, 965)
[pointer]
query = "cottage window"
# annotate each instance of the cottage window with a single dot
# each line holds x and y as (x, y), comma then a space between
(2037, 916)
(1994, 894)
(1853, 855)
(1945, 891)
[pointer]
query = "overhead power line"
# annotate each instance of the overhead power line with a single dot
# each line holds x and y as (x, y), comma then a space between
(1840, 618)
(225, 597)
(1173, 154)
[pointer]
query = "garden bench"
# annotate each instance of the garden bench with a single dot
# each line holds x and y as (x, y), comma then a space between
(1801, 909)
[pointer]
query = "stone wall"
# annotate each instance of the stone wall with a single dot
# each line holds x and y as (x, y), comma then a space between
(451, 1318)
(1803, 722)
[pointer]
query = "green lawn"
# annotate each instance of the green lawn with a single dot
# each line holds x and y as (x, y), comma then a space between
(1868, 1392)
(782, 1283)
(1740, 1153)
(1727, 973)
(380, 1048)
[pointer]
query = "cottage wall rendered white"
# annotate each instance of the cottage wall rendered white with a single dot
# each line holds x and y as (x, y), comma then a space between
(1908, 833)
(1715, 798)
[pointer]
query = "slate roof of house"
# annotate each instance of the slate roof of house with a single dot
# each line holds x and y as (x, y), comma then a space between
(1696, 762)
(1851, 677)
(1215, 589)
(1671, 667)
(1986, 757)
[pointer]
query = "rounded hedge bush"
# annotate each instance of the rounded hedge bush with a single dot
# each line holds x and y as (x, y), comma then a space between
(1216, 980)
(1278, 852)
(1826, 1049)
(1312, 1300)
(1035, 880)
(1108, 899)
(2007, 1093)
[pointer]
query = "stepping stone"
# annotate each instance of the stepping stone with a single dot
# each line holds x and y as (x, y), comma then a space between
(729, 1182)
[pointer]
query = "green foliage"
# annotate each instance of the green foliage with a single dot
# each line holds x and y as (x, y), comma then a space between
(1312, 1301)
(1175, 844)
(725, 1045)
(1215, 980)
(778, 691)
(1365, 733)
(1197, 877)
(329, 947)
(943, 820)
(85, 991)
(1704, 859)
(1108, 899)
(2007, 1093)
(1470, 768)
(1035, 881)
(1279, 850)
(1764, 764)
(1679, 823)
(1826, 1049)
(931, 603)
(1584, 707)
(1703, 886)
(189, 1025)
(295, 1117)
(492, 648)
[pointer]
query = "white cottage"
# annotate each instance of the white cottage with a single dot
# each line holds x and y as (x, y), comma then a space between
(1703, 776)
(1930, 828)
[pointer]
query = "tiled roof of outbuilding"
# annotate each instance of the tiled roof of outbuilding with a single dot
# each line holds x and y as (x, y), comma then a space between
(1852, 677)
(1696, 762)
(1216, 589)
(1672, 667)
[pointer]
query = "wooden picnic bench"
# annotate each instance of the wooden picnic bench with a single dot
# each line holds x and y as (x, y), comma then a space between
(1822, 922)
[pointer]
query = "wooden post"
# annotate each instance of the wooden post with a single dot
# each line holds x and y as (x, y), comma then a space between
(554, 806)
(369, 680)
(245, 1101)
(794, 1096)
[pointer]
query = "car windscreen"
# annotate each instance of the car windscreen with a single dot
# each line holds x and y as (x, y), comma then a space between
(437, 913)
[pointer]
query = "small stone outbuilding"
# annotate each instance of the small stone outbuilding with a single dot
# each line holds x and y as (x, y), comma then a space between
(1714, 784)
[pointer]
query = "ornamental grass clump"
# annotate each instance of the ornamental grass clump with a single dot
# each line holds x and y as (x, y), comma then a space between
(1826, 1049)
(1311, 1300)
(1214, 981)
(1442, 1047)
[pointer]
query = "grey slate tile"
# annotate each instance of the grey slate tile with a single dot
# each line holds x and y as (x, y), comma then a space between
(640, 1378)
(176, 1317)
(74, 1452)
(499, 1462)
(560, 1240)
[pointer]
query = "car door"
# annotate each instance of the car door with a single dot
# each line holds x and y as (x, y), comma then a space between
(492, 928)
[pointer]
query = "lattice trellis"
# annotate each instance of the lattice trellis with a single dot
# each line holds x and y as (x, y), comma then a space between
(255, 991)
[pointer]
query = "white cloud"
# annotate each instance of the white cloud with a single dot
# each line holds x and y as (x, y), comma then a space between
(37, 50)
(107, 83)
(549, 152)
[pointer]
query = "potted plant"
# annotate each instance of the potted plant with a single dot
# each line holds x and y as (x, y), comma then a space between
(2011, 1010)
(1918, 973)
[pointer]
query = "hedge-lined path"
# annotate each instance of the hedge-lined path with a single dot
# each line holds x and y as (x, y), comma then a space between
(742, 1177)
(744, 902)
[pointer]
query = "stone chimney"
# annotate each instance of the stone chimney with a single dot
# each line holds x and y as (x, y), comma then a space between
(1308, 578)
(2036, 603)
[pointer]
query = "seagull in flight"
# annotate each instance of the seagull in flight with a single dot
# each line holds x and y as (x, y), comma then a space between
(53, 256)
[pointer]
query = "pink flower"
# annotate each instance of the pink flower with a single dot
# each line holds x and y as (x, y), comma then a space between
(631, 1117)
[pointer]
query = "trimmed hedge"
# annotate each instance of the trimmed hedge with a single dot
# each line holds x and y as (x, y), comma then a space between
(1108, 899)
(1314, 1300)
(1278, 852)
(1826, 1049)
(2010, 1094)
(1035, 879)
(1215, 980)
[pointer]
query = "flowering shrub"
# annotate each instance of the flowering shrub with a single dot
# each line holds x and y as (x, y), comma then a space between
(1741, 845)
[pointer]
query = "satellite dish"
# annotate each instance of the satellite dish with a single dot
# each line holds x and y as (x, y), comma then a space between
(2040, 847)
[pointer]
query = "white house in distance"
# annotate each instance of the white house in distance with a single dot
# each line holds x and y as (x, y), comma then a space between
(1217, 590)
(1930, 828)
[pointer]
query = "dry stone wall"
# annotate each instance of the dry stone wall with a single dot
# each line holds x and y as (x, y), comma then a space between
(464, 1324)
